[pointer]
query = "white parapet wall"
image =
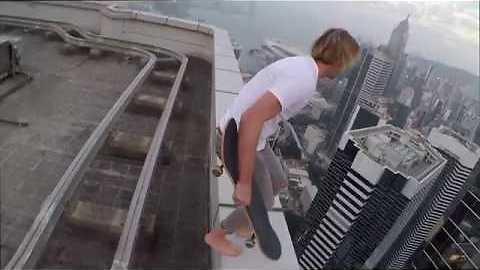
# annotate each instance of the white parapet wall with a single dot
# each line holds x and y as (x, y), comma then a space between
(114, 21)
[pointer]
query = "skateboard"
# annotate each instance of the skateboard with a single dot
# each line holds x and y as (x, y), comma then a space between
(256, 211)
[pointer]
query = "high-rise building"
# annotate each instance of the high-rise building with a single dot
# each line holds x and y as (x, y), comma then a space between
(396, 51)
(365, 117)
(377, 179)
(455, 242)
(349, 98)
(476, 138)
(398, 40)
(376, 79)
(446, 90)
(418, 87)
(434, 113)
(400, 110)
(428, 74)
(400, 113)
(455, 104)
(392, 89)
(461, 156)
(406, 96)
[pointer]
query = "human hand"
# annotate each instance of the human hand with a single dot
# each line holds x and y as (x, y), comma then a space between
(242, 194)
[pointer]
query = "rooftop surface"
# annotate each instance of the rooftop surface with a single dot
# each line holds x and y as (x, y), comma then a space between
(182, 201)
(70, 93)
(398, 150)
(66, 99)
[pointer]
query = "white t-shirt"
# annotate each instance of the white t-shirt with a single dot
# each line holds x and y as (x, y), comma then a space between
(291, 80)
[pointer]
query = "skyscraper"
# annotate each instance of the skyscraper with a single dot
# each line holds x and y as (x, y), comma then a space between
(428, 74)
(400, 113)
(349, 98)
(379, 70)
(401, 108)
(418, 86)
(377, 179)
(461, 156)
(376, 79)
(392, 89)
(396, 51)
(398, 40)
(455, 242)
(476, 138)
(365, 117)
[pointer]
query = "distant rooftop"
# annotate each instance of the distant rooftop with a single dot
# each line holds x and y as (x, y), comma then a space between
(456, 145)
(281, 48)
(398, 150)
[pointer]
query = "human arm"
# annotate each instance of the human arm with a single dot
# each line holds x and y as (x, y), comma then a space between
(251, 124)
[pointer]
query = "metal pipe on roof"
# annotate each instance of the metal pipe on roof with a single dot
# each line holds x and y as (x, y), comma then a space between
(132, 225)
(32, 245)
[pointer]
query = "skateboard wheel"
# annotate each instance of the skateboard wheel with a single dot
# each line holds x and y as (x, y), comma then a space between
(250, 242)
(217, 171)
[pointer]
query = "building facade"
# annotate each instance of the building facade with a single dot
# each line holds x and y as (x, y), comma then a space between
(378, 177)
(461, 158)
(476, 138)
(349, 99)
(455, 242)
(376, 79)
(396, 50)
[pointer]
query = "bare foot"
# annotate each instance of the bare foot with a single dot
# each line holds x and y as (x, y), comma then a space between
(218, 241)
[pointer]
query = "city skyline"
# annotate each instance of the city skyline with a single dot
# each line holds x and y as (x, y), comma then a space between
(446, 32)
(439, 27)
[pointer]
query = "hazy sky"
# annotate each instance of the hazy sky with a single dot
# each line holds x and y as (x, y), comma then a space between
(445, 31)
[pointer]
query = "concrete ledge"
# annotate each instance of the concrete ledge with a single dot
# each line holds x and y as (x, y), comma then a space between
(224, 50)
(222, 37)
(227, 63)
(151, 17)
(228, 81)
(181, 23)
(90, 6)
(117, 12)
(205, 28)
(223, 101)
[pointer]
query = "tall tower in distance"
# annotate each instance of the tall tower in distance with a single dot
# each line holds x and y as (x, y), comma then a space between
(398, 40)
(377, 179)
(461, 156)
(396, 51)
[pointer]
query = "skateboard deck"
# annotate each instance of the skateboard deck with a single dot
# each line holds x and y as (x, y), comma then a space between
(256, 211)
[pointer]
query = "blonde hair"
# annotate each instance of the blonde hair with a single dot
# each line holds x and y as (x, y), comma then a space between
(336, 47)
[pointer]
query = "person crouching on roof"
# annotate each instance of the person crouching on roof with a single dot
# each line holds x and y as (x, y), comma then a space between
(278, 91)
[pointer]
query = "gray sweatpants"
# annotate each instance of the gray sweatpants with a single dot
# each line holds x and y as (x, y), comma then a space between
(270, 178)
